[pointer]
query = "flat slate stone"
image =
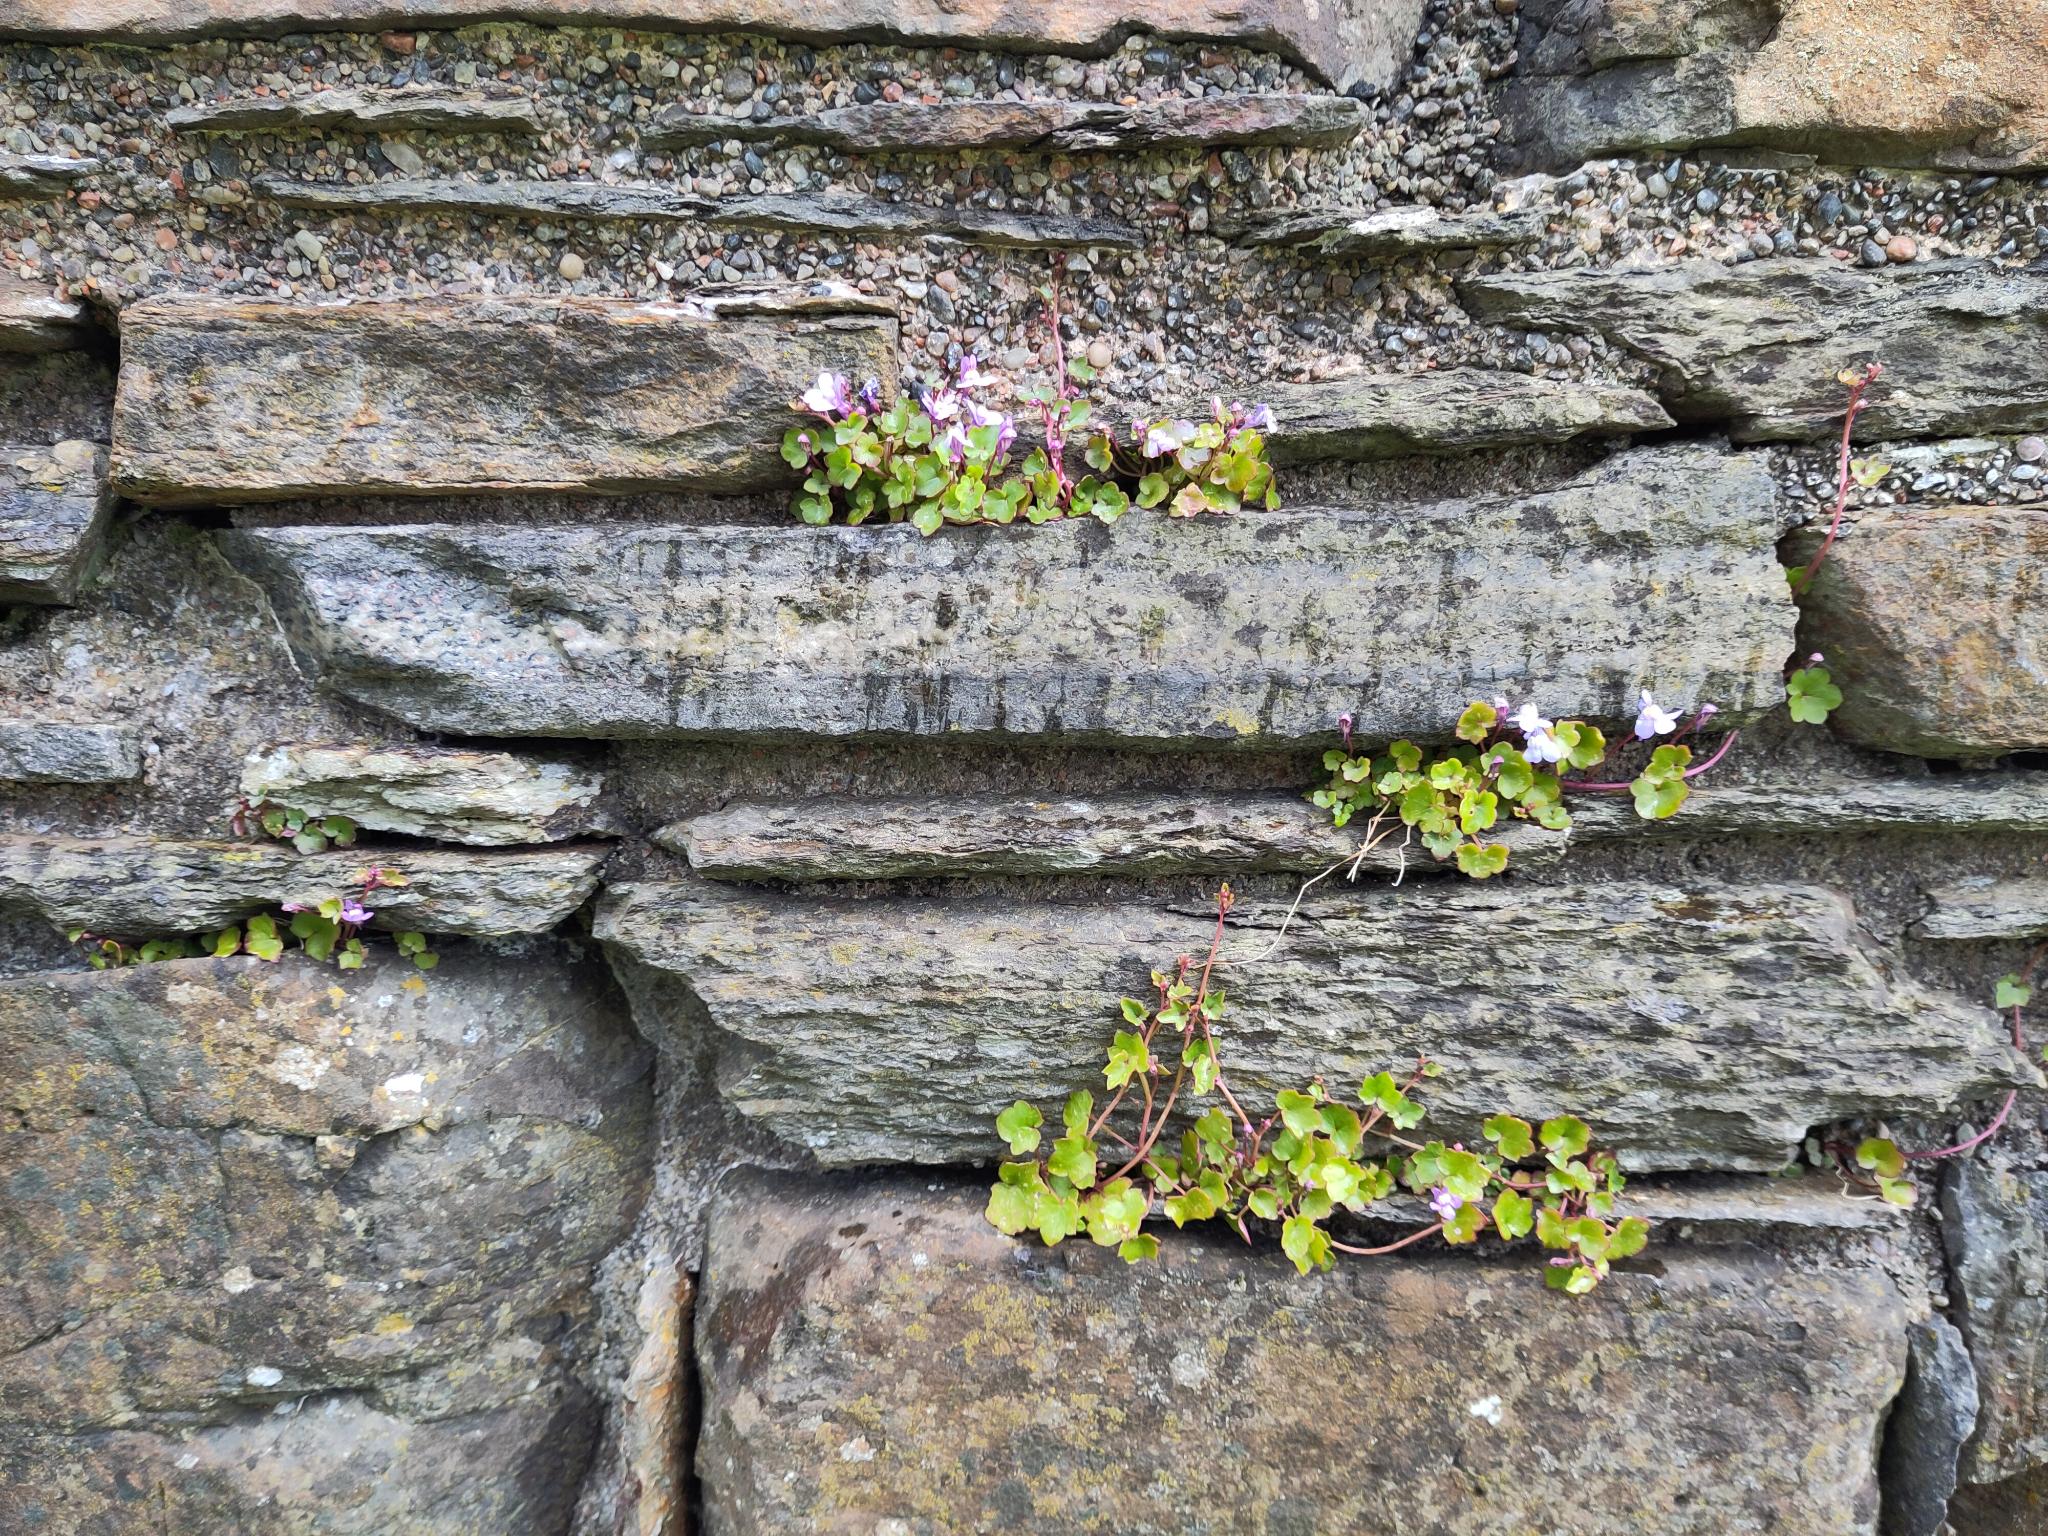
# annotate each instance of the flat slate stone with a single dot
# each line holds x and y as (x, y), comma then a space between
(54, 507)
(1985, 907)
(1834, 802)
(1955, 84)
(1350, 234)
(63, 752)
(141, 887)
(1931, 617)
(425, 109)
(1995, 1227)
(1259, 629)
(42, 175)
(1683, 1025)
(834, 213)
(302, 1249)
(1930, 1423)
(223, 401)
(1360, 41)
(1452, 411)
(1281, 117)
(489, 799)
(875, 1357)
(34, 320)
(1757, 347)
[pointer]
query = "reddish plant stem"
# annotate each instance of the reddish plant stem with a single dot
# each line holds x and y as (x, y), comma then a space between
(1856, 404)
(1690, 773)
(1393, 1247)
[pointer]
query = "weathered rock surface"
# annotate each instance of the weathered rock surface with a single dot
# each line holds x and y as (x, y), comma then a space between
(794, 212)
(873, 1358)
(1836, 802)
(2015, 1507)
(226, 401)
(1758, 346)
(371, 1202)
(42, 175)
(54, 505)
(1929, 1424)
(1385, 415)
(141, 886)
(1050, 126)
(1682, 1025)
(1932, 617)
(1344, 44)
(1985, 907)
(1948, 83)
(32, 319)
(1258, 628)
(1350, 234)
(60, 752)
(1995, 1226)
(490, 799)
(423, 109)
(881, 839)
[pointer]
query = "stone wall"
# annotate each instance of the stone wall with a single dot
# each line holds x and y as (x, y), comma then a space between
(390, 392)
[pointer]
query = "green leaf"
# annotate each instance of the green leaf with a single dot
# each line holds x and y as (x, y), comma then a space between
(1510, 1135)
(1631, 1235)
(1012, 1201)
(1153, 489)
(1564, 1137)
(1514, 1215)
(1127, 1059)
(1477, 722)
(227, 942)
(1880, 1156)
(1465, 1223)
(1812, 695)
(1135, 1013)
(1482, 860)
(1073, 1159)
(1300, 1113)
(1897, 1191)
(1018, 1125)
(1080, 1105)
(1658, 799)
(1134, 1250)
(2012, 992)
(1195, 1205)
(1305, 1243)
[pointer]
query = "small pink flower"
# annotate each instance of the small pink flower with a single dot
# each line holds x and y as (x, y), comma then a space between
(292, 906)
(828, 397)
(353, 911)
(1444, 1203)
(942, 405)
(971, 376)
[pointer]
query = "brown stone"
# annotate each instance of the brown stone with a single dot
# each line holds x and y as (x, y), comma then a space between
(227, 401)
(877, 1358)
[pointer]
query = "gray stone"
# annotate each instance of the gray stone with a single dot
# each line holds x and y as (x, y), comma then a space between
(1995, 1227)
(422, 109)
(1930, 617)
(1255, 629)
(1350, 234)
(485, 798)
(42, 175)
(1929, 1423)
(792, 212)
(64, 752)
(1046, 126)
(1358, 42)
(32, 319)
(877, 1358)
(291, 1249)
(54, 507)
(226, 401)
(1450, 411)
(1821, 801)
(1684, 1026)
(1758, 346)
(137, 887)
(1986, 907)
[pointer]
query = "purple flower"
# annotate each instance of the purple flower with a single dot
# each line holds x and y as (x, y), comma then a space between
(971, 376)
(1166, 437)
(953, 441)
(1538, 744)
(353, 911)
(1444, 1203)
(941, 404)
(292, 906)
(828, 397)
(1260, 418)
(871, 396)
(1137, 429)
(1006, 429)
(1707, 712)
(1652, 721)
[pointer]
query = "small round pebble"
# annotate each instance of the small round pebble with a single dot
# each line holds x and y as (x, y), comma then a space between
(2031, 449)
(570, 266)
(1100, 354)
(1901, 248)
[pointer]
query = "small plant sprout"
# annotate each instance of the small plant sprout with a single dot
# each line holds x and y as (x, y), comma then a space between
(1134, 1160)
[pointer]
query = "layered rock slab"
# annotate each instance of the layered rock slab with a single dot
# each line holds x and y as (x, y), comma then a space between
(1682, 1025)
(376, 1198)
(877, 1357)
(491, 799)
(1995, 1227)
(1933, 619)
(1263, 628)
(424, 109)
(142, 886)
(1758, 346)
(54, 508)
(59, 752)
(224, 401)
(1343, 43)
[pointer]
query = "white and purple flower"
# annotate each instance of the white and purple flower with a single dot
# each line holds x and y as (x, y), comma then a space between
(971, 376)
(829, 397)
(1444, 1203)
(353, 911)
(1652, 720)
(1539, 745)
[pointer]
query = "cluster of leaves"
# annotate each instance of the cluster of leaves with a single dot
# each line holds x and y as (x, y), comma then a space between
(1310, 1159)
(308, 834)
(1811, 694)
(1454, 799)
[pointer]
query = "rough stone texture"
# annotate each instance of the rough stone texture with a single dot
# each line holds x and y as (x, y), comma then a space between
(2016, 1507)
(55, 752)
(1349, 234)
(878, 1358)
(1257, 628)
(1044, 126)
(141, 886)
(1986, 907)
(490, 799)
(225, 401)
(424, 109)
(1950, 83)
(1681, 1025)
(796, 213)
(880, 839)
(658, 1401)
(1384, 415)
(1933, 617)
(1346, 42)
(1995, 1226)
(1758, 346)
(54, 506)
(1929, 1423)
(42, 175)
(34, 320)
(371, 1202)
(1823, 801)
